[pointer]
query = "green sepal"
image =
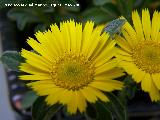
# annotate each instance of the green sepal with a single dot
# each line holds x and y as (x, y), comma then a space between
(12, 59)
(28, 99)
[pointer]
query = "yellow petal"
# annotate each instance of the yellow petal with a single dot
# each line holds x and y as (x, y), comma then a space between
(35, 60)
(105, 51)
(48, 40)
(122, 52)
(106, 58)
(105, 67)
(89, 95)
(66, 96)
(95, 38)
(40, 49)
(155, 26)
(129, 29)
(79, 36)
(72, 32)
(128, 38)
(129, 67)
(146, 82)
(35, 77)
(111, 74)
(137, 25)
(65, 35)
(81, 102)
(54, 98)
(146, 23)
(87, 32)
(55, 39)
(103, 42)
(44, 88)
(108, 86)
(156, 80)
(99, 94)
(138, 76)
(123, 44)
(72, 105)
(124, 58)
(154, 93)
(25, 67)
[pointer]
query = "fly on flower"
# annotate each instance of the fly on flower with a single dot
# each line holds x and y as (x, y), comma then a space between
(114, 26)
(73, 65)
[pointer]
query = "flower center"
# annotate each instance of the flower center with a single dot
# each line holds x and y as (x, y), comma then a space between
(72, 71)
(146, 56)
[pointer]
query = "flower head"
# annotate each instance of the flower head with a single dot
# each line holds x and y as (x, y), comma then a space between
(71, 65)
(139, 51)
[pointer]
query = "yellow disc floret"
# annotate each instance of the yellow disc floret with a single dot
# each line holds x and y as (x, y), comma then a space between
(146, 56)
(72, 71)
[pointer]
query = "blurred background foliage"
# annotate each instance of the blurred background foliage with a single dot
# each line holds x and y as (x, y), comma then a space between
(100, 11)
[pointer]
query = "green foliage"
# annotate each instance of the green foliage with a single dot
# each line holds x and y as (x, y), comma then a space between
(101, 2)
(125, 7)
(114, 109)
(41, 111)
(111, 10)
(28, 15)
(67, 1)
(98, 111)
(130, 89)
(103, 112)
(117, 108)
(12, 60)
(91, 112)
(28, 99)
(100, 11)
(96, 15)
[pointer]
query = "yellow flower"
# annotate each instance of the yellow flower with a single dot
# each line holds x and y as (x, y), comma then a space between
(139, 51)
(72, 66)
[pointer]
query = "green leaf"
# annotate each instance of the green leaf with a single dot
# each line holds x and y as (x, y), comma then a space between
(12, 59)
(125, 7)
(40, 27)
(101, 2)
(96, 15)
(41, 111)
(110, 9)
(91, 111)
(103, 112)
(116, 106)
(98, 111)
(28, 14)
(131, 87)
(28, 99)
(114, 26)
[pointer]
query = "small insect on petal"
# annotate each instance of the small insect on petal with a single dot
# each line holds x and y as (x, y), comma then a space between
(114, 26)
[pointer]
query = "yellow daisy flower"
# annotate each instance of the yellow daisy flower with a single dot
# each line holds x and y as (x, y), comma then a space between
(72, 66)
(139, 51)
